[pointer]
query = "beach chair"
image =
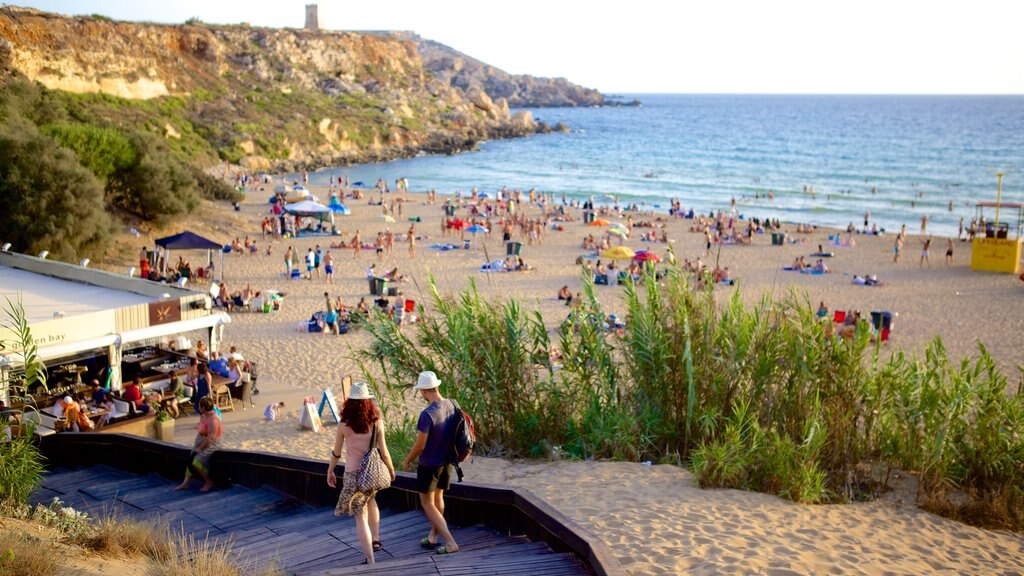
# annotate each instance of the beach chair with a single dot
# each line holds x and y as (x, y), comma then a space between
(222, 399)
(121, 410)
(43, 424)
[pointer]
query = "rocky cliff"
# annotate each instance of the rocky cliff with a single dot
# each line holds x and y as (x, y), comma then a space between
(266, 98)
(519, 90)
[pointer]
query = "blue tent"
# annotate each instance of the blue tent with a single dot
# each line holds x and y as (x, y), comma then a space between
(187, 241)
(190, 241)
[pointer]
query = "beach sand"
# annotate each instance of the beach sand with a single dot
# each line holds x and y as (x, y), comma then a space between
(654, 518)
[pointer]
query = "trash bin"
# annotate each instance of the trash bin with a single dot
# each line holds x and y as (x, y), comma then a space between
(513, 248)
(881, 319)
(876, 319)
(378, 286)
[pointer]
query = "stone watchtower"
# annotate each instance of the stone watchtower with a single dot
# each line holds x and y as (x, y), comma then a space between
(312, 20)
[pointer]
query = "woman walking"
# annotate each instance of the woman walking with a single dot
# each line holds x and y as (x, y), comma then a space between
(207, 442)
(360, 422)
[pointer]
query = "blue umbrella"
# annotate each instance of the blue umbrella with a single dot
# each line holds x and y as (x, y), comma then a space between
(476, 228)
(340, 209)
(357, 184)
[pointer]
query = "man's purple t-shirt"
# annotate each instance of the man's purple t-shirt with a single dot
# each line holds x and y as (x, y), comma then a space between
(436, 420)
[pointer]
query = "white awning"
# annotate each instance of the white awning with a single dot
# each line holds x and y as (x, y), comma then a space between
(175, 328)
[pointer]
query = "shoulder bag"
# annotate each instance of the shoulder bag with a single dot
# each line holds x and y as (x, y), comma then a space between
(374, 474)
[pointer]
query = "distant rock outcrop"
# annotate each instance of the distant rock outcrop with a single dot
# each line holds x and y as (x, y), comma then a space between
(519, 90)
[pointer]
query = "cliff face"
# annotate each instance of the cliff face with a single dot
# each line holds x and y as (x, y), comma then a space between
(268, 98)
(520, 90)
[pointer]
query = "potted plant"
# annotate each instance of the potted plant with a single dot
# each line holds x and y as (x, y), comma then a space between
(164, 426)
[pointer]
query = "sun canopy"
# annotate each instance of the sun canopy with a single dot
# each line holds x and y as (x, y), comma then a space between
(307, 208)
(187, 241)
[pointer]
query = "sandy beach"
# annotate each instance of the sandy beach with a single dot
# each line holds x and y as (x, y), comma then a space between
(654, 518)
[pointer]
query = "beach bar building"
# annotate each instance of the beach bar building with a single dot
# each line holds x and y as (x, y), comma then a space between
(90, 324)
(997, 247)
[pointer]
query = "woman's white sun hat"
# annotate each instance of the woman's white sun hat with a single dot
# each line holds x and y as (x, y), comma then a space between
(427, 381)
(360, 391)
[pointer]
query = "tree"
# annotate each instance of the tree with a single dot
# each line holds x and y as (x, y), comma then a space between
(155, 186)
(51, 201)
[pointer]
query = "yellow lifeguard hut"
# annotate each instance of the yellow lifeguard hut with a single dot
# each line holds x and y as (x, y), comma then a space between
(997, 245)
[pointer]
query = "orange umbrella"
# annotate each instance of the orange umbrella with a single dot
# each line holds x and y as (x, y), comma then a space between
(598, 222)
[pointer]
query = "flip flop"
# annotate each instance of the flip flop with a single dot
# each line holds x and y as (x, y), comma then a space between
(426, 543)
(444, 550)
(377, 546)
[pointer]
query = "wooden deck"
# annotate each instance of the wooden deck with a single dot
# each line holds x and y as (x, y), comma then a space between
(264, 525)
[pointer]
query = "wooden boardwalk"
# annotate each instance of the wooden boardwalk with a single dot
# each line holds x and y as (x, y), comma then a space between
(267, 526)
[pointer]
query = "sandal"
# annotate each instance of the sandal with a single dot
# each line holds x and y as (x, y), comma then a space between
(426, 543)
(444, 550)
(377, 546)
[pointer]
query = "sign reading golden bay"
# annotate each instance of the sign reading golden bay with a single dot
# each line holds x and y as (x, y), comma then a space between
(64, 330)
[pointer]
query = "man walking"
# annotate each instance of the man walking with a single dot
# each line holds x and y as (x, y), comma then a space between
(433, 475)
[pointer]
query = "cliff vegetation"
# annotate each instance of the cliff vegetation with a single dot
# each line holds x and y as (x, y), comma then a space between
(99, 117)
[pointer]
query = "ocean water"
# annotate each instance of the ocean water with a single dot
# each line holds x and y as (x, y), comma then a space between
(898, 157)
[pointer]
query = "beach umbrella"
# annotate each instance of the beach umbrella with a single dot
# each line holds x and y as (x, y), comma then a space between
(618, 231)
(598, 222)
(646, 256)
(618, 225)
(476, 229)
(340, 209)
(385, 218)
(618, 253)
(459, 223)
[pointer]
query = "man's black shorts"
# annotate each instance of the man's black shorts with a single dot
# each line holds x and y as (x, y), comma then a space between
(430, 478)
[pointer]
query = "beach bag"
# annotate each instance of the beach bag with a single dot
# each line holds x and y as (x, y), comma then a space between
(463, 439)
(374, 474)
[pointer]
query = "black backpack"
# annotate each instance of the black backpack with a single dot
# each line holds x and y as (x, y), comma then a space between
(463, 439)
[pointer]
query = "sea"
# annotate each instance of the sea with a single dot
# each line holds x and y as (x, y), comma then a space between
(823, 160)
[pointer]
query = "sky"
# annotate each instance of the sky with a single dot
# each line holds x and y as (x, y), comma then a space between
(675, 46)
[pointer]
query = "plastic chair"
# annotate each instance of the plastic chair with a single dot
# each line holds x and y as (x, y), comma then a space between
(840, 316)
(222, 398)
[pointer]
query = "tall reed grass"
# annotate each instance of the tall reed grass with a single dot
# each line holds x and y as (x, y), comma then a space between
(757, 397)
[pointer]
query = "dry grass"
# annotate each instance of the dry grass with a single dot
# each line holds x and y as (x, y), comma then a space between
(191, 557)
(1001, 509)
(23, 554)
(128, 537)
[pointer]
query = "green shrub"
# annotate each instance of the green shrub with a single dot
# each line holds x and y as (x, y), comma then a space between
(21, 469)
(213, 188)
(156, 186)
(104, 151)
(757, 397)
(51, 202)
